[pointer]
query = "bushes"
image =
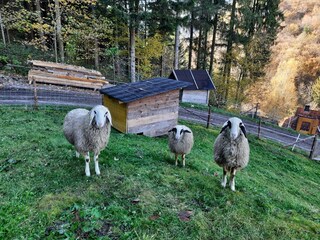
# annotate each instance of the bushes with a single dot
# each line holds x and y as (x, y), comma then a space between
(18, 54)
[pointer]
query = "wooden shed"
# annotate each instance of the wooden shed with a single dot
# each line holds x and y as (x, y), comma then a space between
(201, 84)
(306, 120)
(148, 107)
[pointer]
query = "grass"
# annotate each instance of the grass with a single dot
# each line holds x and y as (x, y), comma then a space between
(44, 193)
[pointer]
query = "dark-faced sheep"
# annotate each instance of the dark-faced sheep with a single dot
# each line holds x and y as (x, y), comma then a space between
(88, 131)
(180, 142)
(231, 149)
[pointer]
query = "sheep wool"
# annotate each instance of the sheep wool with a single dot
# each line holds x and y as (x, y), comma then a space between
(180, 142)
(88, 131)
(231, 149)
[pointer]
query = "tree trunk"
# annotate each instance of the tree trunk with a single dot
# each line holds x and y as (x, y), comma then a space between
(38, 12)
(228, 59)
(199, 49)
(176, 48)
(133, 24)
(96, 41)
(132, 54)
(204, 52)
(59, 30)
(96, 52)
(2, 31)
(213, 43)
(191, 41)
(238, 87)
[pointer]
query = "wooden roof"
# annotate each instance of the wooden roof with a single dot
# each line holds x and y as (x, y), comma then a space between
(130, 92)
(199, 79)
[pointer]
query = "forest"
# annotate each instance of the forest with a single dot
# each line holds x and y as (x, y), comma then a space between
(257, 51)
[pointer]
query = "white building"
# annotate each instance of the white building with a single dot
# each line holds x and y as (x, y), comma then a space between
(199, 91)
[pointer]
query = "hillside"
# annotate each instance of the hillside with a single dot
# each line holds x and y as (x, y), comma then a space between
(141, 194)
(293, 72)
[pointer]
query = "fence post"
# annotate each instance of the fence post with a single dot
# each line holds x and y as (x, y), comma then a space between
(314, 146)
(256, 111)
(35, 94)
(259, 128)
(209, 116)
(294, 145)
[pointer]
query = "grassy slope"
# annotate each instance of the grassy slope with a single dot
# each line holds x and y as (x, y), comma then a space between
(44, 192)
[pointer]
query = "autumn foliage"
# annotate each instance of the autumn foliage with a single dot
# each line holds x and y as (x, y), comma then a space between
(295, 60)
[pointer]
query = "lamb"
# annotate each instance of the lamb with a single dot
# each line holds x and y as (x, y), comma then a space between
(231, 149)
(180, 142)
(88, 131)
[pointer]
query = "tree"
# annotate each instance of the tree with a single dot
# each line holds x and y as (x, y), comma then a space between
(59, 29)
(316, 92)
(2, 30)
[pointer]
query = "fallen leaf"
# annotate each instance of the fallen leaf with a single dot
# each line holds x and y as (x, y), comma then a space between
(184, 216)
(116, 159)
(216, 174)
(154, 217)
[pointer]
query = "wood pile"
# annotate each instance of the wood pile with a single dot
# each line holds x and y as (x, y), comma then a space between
(64, 74)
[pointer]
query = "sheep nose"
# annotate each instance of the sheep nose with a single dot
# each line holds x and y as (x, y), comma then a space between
(99, 124)
(233, 136)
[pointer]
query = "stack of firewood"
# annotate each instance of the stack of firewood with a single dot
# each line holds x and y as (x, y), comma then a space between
(64, 74)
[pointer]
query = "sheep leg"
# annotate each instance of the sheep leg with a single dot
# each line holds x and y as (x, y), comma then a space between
(96, 163)
(87, 169)
(77, 154)
(224, 178)
(176, 158)
(183, 160)
(232, 176)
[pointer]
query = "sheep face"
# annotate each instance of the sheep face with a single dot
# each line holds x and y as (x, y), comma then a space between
(100, 116)
(178, 131)
(235, 126)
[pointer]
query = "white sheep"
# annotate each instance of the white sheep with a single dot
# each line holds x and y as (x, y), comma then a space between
(231, 149)
(88, 131)
(180, 142)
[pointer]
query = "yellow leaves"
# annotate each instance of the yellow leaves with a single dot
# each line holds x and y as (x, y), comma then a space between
(282, 97)
(316, 92)
(147, 50)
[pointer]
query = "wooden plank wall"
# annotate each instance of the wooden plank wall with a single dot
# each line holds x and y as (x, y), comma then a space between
(118, 113)
(155, 115)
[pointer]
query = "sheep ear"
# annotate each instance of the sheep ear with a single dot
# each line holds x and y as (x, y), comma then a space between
(243, 129)
(92, 115)
(186, 131)
(109, 118)
(225, 125)
(173, 130)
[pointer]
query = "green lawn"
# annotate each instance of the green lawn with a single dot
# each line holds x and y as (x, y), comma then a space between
(140, 194)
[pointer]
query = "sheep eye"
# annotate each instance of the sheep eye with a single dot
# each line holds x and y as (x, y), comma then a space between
(181, 131)
(95, 112)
